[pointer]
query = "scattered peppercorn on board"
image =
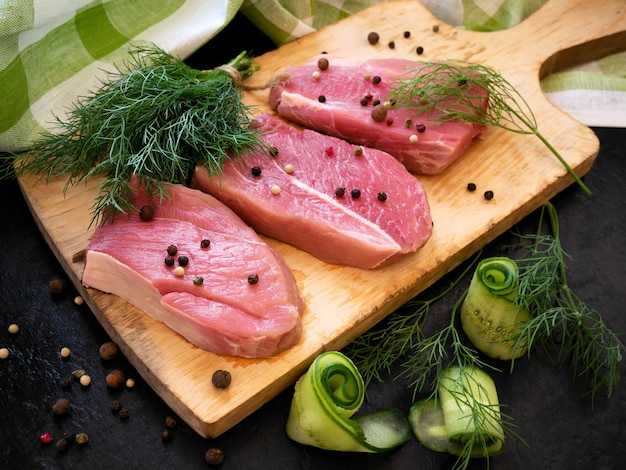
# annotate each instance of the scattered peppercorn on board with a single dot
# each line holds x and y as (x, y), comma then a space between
(344, 302)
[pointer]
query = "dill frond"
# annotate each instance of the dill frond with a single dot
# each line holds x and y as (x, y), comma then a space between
(155, 118)
(456, 89)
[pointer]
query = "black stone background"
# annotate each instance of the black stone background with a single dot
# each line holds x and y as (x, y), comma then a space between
(562, 430)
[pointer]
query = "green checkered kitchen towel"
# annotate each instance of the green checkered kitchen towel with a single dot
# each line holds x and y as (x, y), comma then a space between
(52, 53)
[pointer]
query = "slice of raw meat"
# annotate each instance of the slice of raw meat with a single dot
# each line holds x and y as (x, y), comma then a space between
(247, 304)
(342, 203)
(339, 100)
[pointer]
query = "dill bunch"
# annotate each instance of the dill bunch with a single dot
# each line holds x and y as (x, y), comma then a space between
(457, 89)
(157, 119)
(563, 324)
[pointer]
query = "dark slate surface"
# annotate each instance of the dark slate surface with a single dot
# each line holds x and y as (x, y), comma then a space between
(561, 429)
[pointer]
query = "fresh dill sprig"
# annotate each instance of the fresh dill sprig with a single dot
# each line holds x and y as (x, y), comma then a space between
(457, 90)
(157, 119)
(485, 418)
(561, 319)
(378, 349)
(430, 356)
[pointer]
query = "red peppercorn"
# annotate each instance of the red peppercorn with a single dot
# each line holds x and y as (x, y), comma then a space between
(46, 438)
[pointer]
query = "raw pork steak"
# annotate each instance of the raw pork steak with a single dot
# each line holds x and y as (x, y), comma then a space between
(342, 203)
(339, 100)
(228, 313)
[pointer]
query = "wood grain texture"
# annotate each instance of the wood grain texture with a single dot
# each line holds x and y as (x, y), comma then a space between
(343, 302)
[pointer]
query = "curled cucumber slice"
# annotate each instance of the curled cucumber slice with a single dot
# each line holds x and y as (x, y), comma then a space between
(489, 315)
(463, 419)
(324, 402)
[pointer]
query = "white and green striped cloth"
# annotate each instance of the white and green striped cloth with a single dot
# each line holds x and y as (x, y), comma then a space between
(54, 52)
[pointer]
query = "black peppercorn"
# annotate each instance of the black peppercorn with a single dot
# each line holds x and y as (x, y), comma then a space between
(407, 34)
(419, 50)
(488, 195)
(253, 278)
(221, 378)
(255, 170)
(169, 261)
(364, 101)
(205, 243)
(172, 250)
(376, 79)
(373, 38)
(340, 191)
(321, 99)
(382, 196)
(392, 45)
(420, 127)
(355, 193)
(62, 445)
(471, 187)
(183, 260)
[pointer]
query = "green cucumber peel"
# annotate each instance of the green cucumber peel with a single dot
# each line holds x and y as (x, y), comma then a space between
(470, 405)
(462, 417)
(429, 428)
(489, 314)
(325, 400)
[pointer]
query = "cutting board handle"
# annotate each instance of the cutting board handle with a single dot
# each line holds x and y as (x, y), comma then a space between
(564, 33)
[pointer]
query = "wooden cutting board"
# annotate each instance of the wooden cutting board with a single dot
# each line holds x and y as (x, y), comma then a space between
(344, 302)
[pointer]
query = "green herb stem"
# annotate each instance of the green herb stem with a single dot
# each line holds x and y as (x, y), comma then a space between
(457, 91)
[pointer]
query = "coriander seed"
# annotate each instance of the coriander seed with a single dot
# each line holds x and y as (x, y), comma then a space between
(13, 328)
(65, 352)
(4, 353)
(85, 380)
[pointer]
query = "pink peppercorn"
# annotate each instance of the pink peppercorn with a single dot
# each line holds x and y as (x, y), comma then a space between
(46, 438)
